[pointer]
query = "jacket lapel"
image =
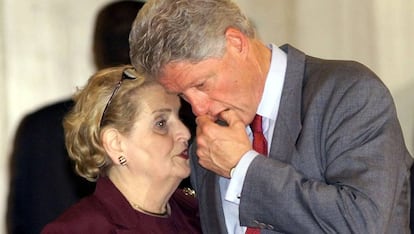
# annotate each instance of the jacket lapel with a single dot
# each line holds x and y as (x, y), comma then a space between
(288, 123)
(216, 222)
(208, 194)
(117, 207)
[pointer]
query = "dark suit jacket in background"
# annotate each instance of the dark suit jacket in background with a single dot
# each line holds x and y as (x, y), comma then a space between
(43, 182)
(337, 162)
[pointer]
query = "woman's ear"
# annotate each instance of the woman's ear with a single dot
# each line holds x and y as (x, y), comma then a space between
(111, 141)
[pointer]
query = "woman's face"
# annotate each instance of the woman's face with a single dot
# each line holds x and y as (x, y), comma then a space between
(157, 145)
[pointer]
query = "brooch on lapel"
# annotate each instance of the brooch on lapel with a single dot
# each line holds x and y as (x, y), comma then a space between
(189, 192)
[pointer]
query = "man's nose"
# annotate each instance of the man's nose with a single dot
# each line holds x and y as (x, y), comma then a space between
(198, 109)
(199, 104)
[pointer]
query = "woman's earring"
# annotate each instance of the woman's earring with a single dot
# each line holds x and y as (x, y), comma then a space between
(122, 160)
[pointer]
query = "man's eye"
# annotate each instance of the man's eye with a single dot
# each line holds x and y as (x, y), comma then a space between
(200, 86)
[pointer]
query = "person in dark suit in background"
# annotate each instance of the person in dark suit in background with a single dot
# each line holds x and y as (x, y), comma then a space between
(43, 182)
(335, 159)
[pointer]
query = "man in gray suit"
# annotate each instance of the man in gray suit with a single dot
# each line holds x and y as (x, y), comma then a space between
(337, 161)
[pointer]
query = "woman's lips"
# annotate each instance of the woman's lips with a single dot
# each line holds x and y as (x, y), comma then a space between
(184, 154)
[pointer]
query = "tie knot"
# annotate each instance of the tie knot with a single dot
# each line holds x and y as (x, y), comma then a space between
(256, 124)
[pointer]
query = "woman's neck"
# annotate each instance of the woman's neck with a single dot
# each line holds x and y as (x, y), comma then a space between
(147, 196)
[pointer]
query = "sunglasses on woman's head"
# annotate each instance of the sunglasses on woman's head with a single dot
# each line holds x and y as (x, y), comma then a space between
(127, 74)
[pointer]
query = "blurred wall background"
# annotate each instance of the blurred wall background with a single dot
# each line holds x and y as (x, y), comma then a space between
(45, 50)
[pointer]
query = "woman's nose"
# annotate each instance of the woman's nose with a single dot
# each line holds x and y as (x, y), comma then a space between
(184, 132)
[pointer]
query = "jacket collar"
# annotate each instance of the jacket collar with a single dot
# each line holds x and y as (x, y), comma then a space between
(118, 208)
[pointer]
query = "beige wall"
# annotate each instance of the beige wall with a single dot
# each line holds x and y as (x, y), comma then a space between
(3, 122)
(45, 49)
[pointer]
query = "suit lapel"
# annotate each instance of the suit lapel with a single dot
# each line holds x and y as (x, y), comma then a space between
(288, 124)
(208, 192)
(211, 186)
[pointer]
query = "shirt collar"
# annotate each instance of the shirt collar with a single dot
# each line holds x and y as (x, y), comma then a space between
(269, 104)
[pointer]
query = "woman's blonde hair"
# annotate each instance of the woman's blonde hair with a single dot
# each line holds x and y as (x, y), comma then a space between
(84, 123)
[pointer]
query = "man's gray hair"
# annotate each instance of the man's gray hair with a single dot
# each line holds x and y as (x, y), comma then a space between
(166, 31)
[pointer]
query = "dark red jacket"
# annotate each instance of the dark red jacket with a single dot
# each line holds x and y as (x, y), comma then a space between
(107, 211)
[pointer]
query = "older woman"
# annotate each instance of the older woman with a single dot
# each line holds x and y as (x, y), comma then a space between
(125, 133)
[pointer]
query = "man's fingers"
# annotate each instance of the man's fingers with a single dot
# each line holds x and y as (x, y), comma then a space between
(230, 117)
(201, 120)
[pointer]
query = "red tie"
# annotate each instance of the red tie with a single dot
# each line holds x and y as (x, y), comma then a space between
(259, 140)
(260, 145)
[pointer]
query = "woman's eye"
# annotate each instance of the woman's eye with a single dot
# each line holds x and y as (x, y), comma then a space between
(161, 127)
(161, 124)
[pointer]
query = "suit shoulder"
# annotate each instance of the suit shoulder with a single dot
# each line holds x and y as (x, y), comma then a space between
(341, 75)
(348, 84)
(46, 121)
(338, 69)
(50, 116)
(57, 109)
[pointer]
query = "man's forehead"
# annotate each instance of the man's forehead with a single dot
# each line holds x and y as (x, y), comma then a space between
(173, 84)
(177, 67)
(179, 76)
(176, 76)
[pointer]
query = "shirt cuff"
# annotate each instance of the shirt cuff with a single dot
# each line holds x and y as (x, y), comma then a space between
(239, 173)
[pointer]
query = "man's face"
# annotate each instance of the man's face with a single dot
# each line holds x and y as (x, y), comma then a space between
(215, 85)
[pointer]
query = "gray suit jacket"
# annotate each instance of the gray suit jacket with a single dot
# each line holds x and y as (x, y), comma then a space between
(337, 162)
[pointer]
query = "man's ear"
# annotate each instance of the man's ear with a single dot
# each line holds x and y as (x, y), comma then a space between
(237, 40)
(111, 141)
